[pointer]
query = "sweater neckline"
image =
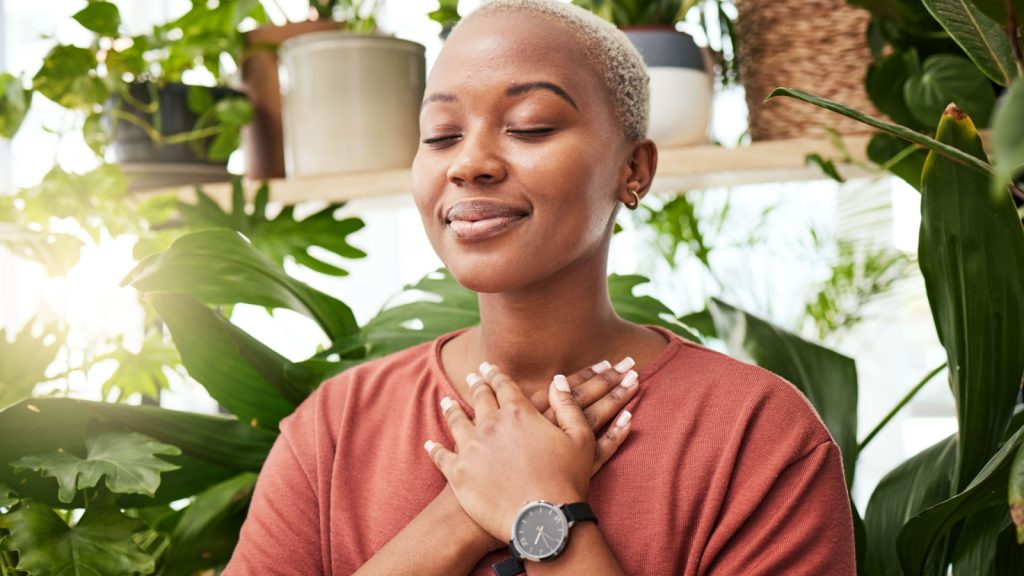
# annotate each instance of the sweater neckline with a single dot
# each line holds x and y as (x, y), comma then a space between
(675, 344)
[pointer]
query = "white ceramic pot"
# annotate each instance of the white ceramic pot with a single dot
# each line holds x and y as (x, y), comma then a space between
(350, 102)
(681, 85)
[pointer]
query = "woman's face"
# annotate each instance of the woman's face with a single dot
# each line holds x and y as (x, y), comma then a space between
(517, 135)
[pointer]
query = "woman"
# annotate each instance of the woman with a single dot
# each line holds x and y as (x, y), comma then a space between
(533, 131)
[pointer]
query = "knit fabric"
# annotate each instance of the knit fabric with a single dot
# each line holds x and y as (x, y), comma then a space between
(728, 470)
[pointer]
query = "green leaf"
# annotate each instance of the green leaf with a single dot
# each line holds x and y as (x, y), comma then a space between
(102, 18)
(946, 78)
(828, 379)
(643, 309)
(68, 78)
(220, 267)
(198, 98)
(96, 199)
(884, 83)
(142, 372)
(128, 461)
(214, 448)
(919, 536)
(95, 134)
(8, 497)
(1008, 136)
(971, 254)
(896, 155)
(996, 10)
(24, 360)
(917, 483)
(248, 378)
(14, 103)
(1016, 493)
(100, 543)
(826, 166)
(984, 41)
(940, 148)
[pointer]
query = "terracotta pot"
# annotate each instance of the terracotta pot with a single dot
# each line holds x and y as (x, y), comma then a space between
(262, 139)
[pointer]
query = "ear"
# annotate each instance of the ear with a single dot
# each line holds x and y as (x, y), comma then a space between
(640, 168)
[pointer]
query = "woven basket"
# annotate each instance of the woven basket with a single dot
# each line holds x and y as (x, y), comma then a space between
(816, 45)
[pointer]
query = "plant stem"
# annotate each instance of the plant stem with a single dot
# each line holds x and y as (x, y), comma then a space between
(910, 395)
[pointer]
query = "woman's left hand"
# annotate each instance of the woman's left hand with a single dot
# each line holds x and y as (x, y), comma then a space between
(511, 454)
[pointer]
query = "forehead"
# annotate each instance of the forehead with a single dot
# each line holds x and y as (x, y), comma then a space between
(500, 49)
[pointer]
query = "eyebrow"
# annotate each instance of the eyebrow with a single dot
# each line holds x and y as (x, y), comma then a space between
(513, 90)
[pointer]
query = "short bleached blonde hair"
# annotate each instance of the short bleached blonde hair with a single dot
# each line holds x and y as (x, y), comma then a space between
(608, 48)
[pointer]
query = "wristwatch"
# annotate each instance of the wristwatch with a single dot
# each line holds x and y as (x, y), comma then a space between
(541, 532)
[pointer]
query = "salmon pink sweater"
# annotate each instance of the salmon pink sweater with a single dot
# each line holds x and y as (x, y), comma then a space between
(727, 471)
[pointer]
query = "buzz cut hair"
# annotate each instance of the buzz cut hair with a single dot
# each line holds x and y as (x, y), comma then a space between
(607, 47)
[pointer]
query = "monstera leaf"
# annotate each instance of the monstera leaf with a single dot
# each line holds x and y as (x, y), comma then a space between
(23, 363)
(128, 460)
(141, 372)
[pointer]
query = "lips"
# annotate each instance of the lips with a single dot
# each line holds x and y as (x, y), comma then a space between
(475, 220)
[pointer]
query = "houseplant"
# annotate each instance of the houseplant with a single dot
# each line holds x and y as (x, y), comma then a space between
(681, 75)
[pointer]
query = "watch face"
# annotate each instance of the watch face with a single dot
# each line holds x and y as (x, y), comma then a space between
(540, 531)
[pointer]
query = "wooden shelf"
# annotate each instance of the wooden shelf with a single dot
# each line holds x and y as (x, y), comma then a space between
(679, 170)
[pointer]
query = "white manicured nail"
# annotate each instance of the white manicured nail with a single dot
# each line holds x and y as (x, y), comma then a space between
(485, 368)
(624, 364)
(472, 379)
(601, 366)
(428, 446)
(623, 419)
(446, 404)
(629, 380)
(561, 384)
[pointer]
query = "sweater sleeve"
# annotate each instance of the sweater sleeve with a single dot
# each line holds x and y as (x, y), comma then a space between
(802, 525)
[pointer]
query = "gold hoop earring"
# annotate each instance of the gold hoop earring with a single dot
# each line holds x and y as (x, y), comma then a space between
(636, 200)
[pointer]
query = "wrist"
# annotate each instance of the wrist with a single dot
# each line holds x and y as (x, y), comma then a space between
(469, 537)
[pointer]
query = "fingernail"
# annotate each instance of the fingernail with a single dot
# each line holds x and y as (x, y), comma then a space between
(561, 384)
(446, 404)
(621, 422)
(472, 379)
(601, 366)
(629, 380)
(624, 364)
(428, 446)
(485, 367)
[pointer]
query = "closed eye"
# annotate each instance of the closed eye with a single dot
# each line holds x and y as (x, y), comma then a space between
(439, 139)
(532, 132)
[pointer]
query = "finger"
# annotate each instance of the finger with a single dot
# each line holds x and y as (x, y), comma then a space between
(442, 457)
(606, 407)
(484, 401)
(458, 422)
(568, 414)
(579, 378)
(599, 385)
(505, 389)
(610, 442)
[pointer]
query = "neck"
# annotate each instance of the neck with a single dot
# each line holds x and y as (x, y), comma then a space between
(535, 332)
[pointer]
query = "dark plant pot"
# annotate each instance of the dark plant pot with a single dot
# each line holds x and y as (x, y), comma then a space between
(154, 165)
(681, 84)
(263, 139)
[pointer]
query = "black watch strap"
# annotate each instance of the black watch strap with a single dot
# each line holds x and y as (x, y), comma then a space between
(508, 567)
(579, 512)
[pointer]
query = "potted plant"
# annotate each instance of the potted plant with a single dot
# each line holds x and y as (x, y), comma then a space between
(351, 96)
(682, 81)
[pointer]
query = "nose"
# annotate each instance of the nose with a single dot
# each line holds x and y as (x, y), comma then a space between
(477, 163)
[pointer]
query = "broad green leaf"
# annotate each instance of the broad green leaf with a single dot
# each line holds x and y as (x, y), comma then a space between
(946, 78)
(127, 60)
(1008, 136)
(8, 497)
(643, 309)
(984, 41)
(102, 18)
(899, 157)
(23, 362)
(68, 77)
(126, 460)
(95, 134)
(214, 448)
(921, 533)
(220, 267)
(971, 254)
(828, 379)
(884, 83)
(996, 10)
(142, 372)
(206, 532)
(14, 103)
(932, 144)
(917, 483)
(100, 543)
(1016, 493)
(95, 199)
(250, 380)
(974, 551)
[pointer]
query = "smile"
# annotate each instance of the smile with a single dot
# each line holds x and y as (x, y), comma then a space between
(468, 231)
